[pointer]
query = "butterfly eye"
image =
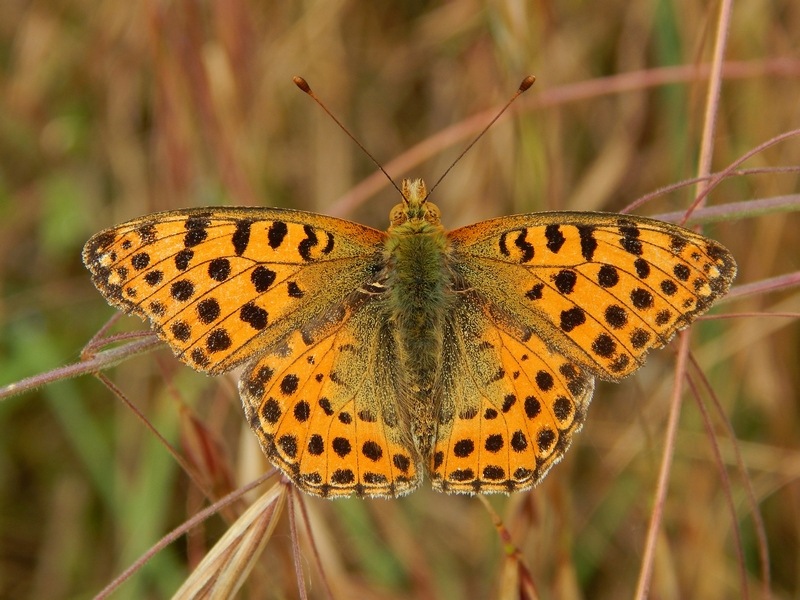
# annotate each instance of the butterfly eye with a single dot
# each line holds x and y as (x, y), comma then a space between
(433, 214)
(398, 215)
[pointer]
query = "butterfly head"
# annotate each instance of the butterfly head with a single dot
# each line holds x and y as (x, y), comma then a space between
(415, 208)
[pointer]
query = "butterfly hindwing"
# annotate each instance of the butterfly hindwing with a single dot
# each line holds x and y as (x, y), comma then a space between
(324, 404)
(601, 289)
(509, 404)
(218, 284)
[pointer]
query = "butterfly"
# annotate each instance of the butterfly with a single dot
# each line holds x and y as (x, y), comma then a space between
(373, 358)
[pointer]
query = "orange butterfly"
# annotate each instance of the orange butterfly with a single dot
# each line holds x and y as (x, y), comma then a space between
(373, 357)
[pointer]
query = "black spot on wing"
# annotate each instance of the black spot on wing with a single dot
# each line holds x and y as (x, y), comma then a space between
(608, 276)
(681, 271)
(669, 287)
(572, 318)
(182, 290)
(616, 316)
(276, 234)
(253, 315)
(241, 237)
(535, 293)
(501, 243)
(146, 233)
(630, 241)
(218, 340)
(565, 281)
(219, 269)
(140, 261)
(181, 330)
(604, 345)
(196, 226)
(183, 258)
(262, 278)
(639, 338)
(329, 245)
(555, 239)
(101, 241)
(641, 299)
(642, 268)
(588, 242)
(208, 310)
(677, 244)
(308, 243)
(525, 247)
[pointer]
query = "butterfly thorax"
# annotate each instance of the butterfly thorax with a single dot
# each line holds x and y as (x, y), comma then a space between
(419, 294)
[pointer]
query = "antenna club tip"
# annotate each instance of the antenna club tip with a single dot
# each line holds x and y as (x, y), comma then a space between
(302, 84)
(526, 83)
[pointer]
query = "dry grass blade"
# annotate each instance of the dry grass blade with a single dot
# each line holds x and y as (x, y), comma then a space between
(516, 581)
(758, 521)
(644, 583)
(225, 568)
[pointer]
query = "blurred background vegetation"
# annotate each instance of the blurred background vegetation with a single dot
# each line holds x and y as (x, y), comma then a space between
(110, 110)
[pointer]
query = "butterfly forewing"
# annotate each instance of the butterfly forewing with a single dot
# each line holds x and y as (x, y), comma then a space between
(218, 284)
(600, 289)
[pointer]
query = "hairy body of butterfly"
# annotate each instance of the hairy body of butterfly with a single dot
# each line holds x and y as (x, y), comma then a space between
(419, 295)
(371, 358)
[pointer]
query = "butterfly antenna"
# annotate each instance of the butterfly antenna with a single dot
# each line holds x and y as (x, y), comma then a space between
(303, 85)
(523, 87)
